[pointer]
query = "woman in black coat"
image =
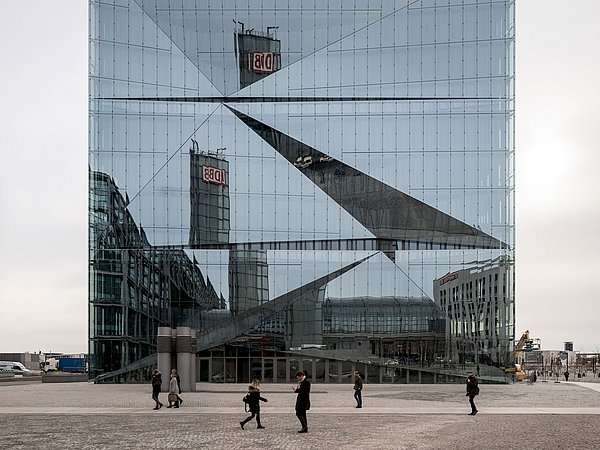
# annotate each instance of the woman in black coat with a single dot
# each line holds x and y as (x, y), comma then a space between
(253, 400)
(156, 384)
(472, 391)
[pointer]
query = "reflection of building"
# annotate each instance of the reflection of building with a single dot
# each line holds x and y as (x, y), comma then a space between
(259, 55)
(209, 198)
(390, 327)
(480, 313)
(135, 288)
(370, 148)
(248, 279)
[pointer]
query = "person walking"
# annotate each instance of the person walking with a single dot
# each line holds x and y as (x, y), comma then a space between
(302, 400)
(358, 386)
(173, 389)
(156, 384)
(472, 391)
(253, 399)
(179, 399)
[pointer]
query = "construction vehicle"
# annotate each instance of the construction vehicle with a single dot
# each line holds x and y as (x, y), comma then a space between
(525, 344)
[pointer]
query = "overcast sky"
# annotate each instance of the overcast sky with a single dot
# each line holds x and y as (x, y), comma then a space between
(43, 174)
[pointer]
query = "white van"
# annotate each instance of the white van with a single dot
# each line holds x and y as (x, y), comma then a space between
(16, 367)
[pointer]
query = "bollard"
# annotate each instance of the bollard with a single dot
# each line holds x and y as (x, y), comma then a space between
(184, 357)
(193, 362)
(163, 344)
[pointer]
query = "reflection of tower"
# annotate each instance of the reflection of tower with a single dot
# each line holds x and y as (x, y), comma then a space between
(305, 319)
(248, 279)
(259, 54)
(209, 198)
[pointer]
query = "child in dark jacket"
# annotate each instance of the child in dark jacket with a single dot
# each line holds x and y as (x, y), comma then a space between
(253, 400)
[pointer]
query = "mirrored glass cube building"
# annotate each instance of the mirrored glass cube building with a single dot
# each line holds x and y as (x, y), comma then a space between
(294, 180)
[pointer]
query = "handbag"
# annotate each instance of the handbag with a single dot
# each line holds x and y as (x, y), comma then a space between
(172, 397)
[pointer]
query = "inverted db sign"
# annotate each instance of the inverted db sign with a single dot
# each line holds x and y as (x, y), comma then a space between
(214, 175)
(263, 62)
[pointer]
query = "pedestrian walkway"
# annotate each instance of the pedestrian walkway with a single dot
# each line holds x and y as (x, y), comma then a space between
(593, 386)
(87, 416)
(451, 410)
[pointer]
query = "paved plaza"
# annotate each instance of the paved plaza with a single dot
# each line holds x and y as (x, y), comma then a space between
(87, 416)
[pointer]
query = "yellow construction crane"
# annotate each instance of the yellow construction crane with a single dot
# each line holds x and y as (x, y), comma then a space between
(525, 344)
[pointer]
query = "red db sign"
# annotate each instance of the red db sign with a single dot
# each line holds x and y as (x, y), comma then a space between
(214, 175)
(263, 62)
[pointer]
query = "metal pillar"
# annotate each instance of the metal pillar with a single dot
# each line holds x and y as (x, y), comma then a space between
(184, 347)
(193, 362)
(163, 344)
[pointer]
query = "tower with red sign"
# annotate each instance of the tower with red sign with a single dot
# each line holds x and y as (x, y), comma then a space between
(259, 55)
(209, 198)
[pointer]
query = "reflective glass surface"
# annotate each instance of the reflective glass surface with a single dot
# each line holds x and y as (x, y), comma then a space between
(260, 168)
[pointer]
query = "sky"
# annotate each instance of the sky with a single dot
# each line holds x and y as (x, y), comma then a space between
(43, 174)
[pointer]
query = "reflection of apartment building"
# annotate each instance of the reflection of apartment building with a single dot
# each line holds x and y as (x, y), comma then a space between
(480, 312)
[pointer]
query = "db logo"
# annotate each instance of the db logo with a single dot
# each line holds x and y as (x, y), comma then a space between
(264, 62)
(214, 175)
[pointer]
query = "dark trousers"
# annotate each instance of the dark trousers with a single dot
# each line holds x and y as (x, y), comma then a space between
(249, 418)
(301, 415)
(473, 408)
(155, 393)
(358, 397)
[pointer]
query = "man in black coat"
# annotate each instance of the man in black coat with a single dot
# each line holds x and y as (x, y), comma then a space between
(358, 386)
(302, 400)
(472, 391)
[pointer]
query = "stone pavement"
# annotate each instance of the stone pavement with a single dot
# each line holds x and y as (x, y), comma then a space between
(87, 416)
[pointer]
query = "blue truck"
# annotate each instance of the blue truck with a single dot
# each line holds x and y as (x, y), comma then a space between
(76, 364)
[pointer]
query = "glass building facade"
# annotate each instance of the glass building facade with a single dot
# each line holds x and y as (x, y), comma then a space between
(293, 177)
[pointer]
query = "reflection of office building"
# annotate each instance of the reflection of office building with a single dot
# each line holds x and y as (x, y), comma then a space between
(480, 312)
(209, 198)
(259, 55)
(248, 279)
(370, 150)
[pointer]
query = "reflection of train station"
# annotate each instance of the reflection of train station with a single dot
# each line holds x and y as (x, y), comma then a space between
(305, 188)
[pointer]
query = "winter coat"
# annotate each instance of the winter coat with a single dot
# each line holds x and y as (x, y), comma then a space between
(254, 399)
(173, 387)
(472, 386)
(303, 399)
(358, 383)
(156, 381)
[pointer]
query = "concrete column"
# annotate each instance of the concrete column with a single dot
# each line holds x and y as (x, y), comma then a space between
(163, 349)
(193, 362)
(184, 347)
